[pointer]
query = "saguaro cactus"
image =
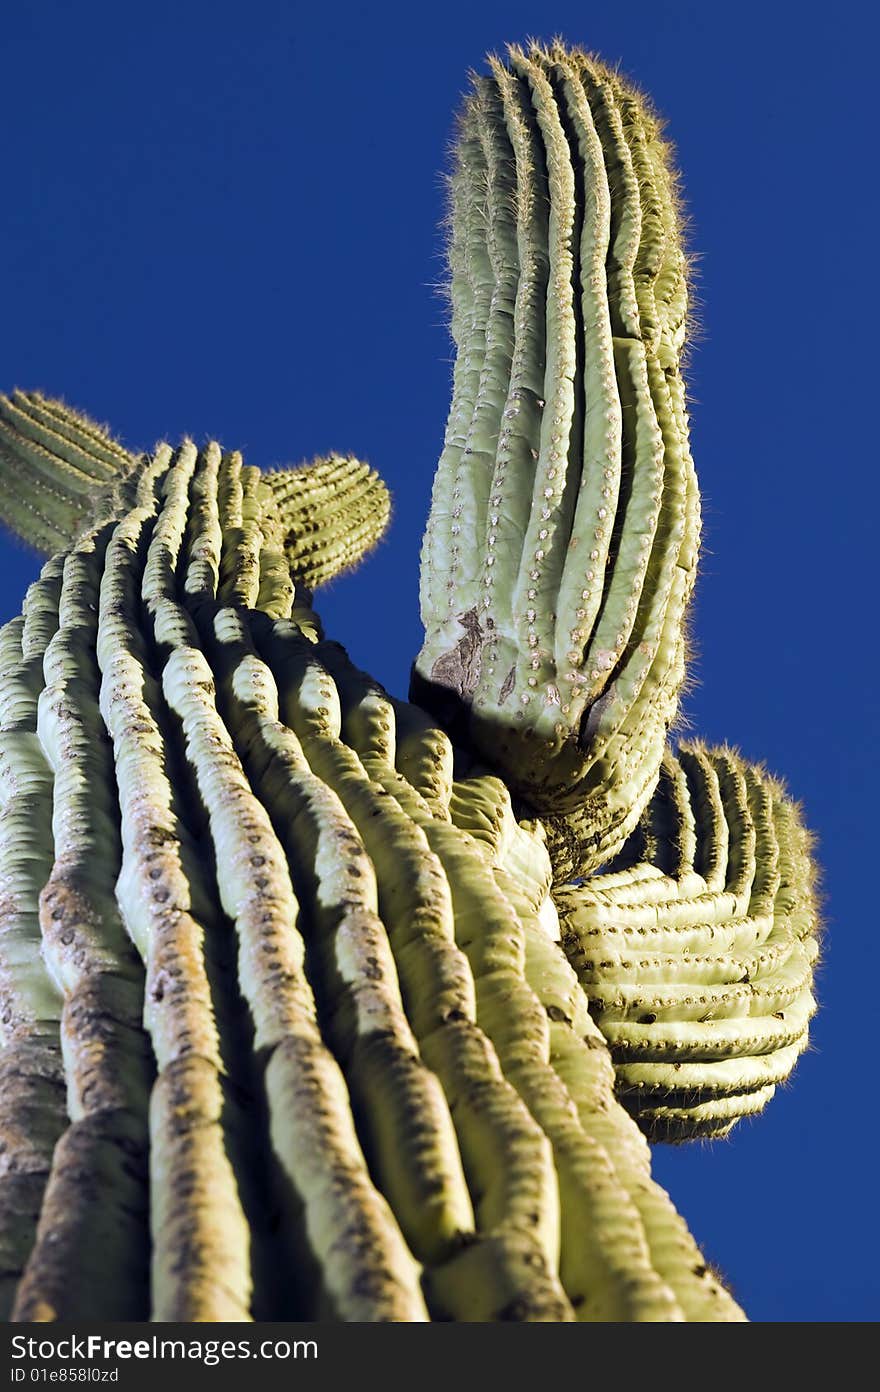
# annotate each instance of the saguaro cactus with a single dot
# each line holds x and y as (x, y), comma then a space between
(303, 995)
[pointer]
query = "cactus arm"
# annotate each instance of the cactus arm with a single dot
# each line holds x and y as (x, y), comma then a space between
(64, 471)
(702, 985)
(331, 513)
(569, 685)
(87, 447)
(61, 470)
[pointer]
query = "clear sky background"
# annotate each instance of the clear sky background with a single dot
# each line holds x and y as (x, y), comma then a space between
(222, 219)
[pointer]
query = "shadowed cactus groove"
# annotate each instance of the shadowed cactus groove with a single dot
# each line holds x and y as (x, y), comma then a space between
(319, 1004)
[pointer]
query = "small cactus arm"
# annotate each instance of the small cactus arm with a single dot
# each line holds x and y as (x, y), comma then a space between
(562, 541)
(288, 1031)
(59, 468)
(64, 474)
(332, 511)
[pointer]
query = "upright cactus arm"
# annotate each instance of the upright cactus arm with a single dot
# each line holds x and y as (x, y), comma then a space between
(562, 541)
(58, 469)
(696, 949)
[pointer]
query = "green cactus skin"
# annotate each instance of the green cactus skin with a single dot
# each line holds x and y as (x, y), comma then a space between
(63, 467)
(697, 948)
(562, 542)
(323, 1053)
(311, 1008)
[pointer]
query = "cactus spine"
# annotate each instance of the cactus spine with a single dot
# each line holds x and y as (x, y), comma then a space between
(319, 1004)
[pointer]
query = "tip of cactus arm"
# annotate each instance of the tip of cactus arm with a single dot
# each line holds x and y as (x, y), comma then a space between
(332, 512)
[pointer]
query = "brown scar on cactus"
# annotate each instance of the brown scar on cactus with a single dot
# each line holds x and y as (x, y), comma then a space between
(459, 669)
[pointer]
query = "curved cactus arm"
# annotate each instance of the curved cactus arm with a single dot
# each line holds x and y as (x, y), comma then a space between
(697, 949)
(60, 467)
(562, 542)
(331, 513)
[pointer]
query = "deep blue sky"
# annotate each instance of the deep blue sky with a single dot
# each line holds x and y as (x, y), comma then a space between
(222, 219)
